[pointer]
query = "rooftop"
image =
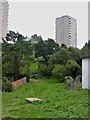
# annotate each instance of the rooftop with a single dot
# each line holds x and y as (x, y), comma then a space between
(65, 16)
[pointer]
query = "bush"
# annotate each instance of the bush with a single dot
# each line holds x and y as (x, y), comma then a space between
(34, 75)
(60, 57)
(59, 72)
(6, 85)
(45, 70)
(72, 68)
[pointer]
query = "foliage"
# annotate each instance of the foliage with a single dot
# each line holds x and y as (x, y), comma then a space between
(35, 39)
(44, 49)
(72, 68)
(85, 51)
(60, 57)
(75, 54)
(6, 85)
(16, 49)
(34, 70)
(40, 50)
(59, 72)
(86, 48)
(45, 70)
(51, 47)
(20, 52)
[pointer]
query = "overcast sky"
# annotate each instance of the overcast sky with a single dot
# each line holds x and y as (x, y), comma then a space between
(30, 18)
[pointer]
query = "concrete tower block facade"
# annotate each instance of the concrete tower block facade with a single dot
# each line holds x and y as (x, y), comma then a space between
(3, 18)
(66, 31)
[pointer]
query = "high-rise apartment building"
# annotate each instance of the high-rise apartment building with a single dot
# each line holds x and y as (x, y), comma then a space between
(3, 18)
(66, 31)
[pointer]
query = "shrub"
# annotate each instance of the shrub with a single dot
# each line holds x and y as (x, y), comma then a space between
(60, 57)
(34, 75)
(59, 72)
(72, 68)
(6, 85)
(46, 70)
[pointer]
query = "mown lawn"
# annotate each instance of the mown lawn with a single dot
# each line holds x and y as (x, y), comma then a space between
(58, 101)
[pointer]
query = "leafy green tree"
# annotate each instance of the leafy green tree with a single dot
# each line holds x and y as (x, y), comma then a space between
(75, 54)
(40, 50)
(51, 46)
(35, 39)
(60, 57)
(46, 70)
(6, 85)
(85, 49)
(15, 49)
(59, 72)
(44, 49)
(72, 68)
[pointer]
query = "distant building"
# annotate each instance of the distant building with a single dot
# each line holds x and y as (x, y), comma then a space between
(3, 18)
(66, 31)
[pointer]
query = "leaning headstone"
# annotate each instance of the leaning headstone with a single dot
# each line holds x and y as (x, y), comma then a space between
(70, 82)
(78, 79)
(24, 79)
(33, 99)
(75, 85)
(72, 85)
(68, 79)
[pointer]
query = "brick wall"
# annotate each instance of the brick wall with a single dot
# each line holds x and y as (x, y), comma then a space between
(18, 83)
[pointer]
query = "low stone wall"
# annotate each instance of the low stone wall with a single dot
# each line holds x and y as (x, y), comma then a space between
(18, 83)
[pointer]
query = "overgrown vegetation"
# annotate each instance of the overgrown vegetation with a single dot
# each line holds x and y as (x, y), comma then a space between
(57, 101)
(19, 53)
(49, 68)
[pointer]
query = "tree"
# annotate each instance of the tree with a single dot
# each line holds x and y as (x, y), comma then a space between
(60, 57)
(40, 50)
(45, 70)
(15, 50)
(75, 54)
(44, 49)
(86, 48)
(72, 68)
(51, 46)
(59, 72)
(35, 39)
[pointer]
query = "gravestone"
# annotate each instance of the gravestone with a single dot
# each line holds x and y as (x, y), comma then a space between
(72, 85)
(33, 99)
(78, 79)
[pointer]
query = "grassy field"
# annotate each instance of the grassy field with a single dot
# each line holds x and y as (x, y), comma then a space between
(57, 101)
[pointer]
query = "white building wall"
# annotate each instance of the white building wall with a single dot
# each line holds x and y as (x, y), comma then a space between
(85, 73)
(89, 73)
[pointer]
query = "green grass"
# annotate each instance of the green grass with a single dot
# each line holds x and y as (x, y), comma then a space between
(33, 66)
(57, 101)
